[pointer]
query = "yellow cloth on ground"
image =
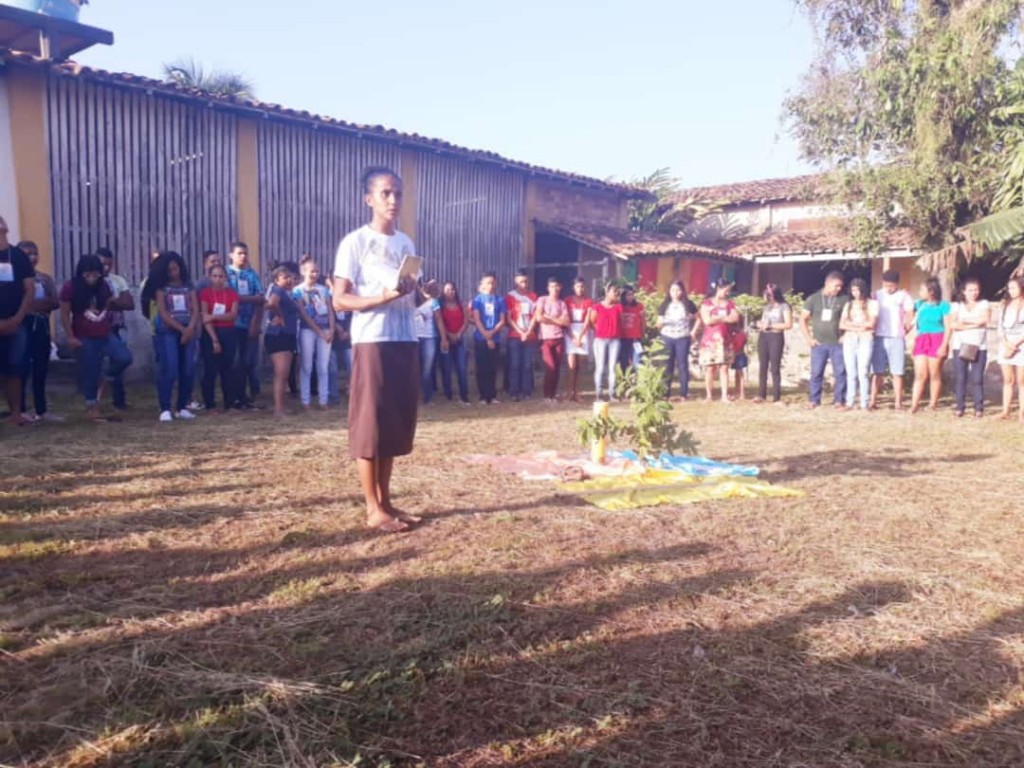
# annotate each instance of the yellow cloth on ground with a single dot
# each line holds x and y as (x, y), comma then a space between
(660, 486)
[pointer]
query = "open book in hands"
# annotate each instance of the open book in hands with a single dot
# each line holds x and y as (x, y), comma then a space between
(410, 268)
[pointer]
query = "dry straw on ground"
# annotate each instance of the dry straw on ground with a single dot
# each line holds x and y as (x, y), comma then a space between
(202, 594)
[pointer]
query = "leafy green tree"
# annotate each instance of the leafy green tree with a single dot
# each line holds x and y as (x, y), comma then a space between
(909, 100)
(188, 73)
(667, 211)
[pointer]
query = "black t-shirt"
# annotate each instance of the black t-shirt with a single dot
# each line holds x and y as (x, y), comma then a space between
(15, 268)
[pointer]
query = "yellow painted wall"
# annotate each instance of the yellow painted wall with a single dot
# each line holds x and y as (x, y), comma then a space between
(410, 170)
(911, 276)
(666, 274)
(249, 189)
(26, 91)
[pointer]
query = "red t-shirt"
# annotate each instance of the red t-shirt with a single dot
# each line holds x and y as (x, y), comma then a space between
(632, 322)
(606, 320)
(519, 308)
(94, 322)
(453, 318)
(213, 299)
(578, 308)
(738, 341)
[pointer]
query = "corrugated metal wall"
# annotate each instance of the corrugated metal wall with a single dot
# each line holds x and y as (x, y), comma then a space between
(136, 172)
(309, 190)
(470, 220)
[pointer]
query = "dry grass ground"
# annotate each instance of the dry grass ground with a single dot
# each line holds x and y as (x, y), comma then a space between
(204, 594)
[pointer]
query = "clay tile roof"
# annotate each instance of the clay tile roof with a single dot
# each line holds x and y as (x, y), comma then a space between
(759, 191)
(413, 140)
(627, 244)
(826, 240)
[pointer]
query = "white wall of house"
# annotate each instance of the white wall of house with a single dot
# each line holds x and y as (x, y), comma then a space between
(756, 219)
(8, 186)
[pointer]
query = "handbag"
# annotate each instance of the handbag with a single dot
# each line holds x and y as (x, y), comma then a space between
(969, 352)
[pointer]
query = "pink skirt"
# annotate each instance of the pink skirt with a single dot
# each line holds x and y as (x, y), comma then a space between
(928, 344)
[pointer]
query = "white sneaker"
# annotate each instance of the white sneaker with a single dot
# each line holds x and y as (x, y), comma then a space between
(195, 405)
(166, 416)
(185, 413)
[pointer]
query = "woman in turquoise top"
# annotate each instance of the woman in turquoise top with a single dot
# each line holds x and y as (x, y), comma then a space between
(932, 321)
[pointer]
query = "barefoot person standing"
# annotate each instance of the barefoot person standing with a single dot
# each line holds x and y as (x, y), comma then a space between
(385, 354)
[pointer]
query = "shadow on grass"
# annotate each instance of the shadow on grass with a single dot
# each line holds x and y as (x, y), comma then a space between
(893, 463)
(636, 657)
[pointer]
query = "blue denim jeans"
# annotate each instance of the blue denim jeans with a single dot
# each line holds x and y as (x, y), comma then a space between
(519, 358)
(678, 351)
(341, 360)
(456, 358)
(428, 359)
(857, 359)
(970, 375)
(118, 350)
(313, 349)
(606, 358)
(822, 355)
(90, 365)
(177, 364)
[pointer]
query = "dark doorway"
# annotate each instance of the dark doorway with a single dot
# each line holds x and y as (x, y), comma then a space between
(991, 273)
(808, 277)
(557, 256)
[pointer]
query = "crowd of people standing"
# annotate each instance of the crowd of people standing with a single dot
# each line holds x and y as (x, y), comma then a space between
(214, 325)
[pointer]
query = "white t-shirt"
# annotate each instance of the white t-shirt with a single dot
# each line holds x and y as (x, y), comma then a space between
(426, 328)
(892, 311)
(370, 261)
(976, 336)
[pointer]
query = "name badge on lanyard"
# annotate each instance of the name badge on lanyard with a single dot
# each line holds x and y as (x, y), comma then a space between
(40, 291)
(826, 315)
(6, 272)
(489, 310)
(243, 287)
(524, 315)
(577, 315)
(219, 309)
(178, 303)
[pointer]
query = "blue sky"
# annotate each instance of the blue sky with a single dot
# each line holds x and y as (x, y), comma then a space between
(614, 88)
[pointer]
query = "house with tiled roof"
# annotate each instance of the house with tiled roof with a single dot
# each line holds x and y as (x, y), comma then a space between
(790, 234)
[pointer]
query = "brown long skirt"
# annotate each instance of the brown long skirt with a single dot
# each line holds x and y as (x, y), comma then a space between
(383, 399)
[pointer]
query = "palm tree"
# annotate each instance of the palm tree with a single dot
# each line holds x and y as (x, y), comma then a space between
(667, 211)
(188, 73)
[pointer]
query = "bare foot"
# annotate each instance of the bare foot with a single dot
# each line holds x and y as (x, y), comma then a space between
(1004, 415)
(405, 517)
(381, 521)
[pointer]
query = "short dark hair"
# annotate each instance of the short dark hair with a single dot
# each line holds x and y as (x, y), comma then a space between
(522, 273)
(104, 253)
(376, 172)
(280, 269)
(487, 274)
(579, 279)
(890, 276)
(238, 244)
(306, 259)
(209, 253)
(834, 275)
(27, 245)
(290, 266)
(554, 279)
